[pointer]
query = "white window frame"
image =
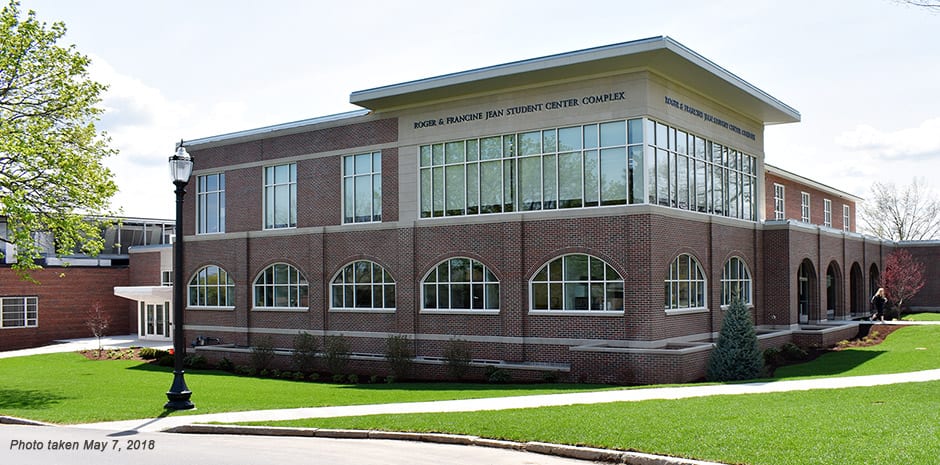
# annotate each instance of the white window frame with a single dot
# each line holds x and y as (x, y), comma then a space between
(827, 213)
(611, 284)
(695, 278)
(30, 314)
(487, 281)
(300, 289)
(269, 196)
(804, 207)
(346, 281)
(226, 289)
(166, 277)
(846, 218)
(202, 202)
(780, 203)
(352, 172)
(736, 272)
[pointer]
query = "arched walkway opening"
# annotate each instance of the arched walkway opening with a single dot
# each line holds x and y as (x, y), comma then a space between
(856, 290)
(807, 300)
(834, 304)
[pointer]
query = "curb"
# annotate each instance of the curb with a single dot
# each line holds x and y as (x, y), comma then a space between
(5, 420)
(561, 450)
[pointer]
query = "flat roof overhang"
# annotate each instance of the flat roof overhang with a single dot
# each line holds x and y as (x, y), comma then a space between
(145, 293)
(661, 55)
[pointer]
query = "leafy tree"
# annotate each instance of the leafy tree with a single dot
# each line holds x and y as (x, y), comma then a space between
(903, 276)
(736, 356)
(52, 177)
(908, 214)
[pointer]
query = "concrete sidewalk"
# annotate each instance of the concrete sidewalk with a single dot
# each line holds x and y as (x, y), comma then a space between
(505, 403)
(90, 343)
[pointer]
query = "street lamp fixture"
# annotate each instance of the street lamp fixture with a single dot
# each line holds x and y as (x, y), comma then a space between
(181, 167)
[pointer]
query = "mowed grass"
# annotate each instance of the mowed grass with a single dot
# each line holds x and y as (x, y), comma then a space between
(922, 317)
(871, 425)
(68, 388)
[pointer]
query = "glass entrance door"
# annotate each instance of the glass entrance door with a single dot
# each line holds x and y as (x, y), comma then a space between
(154, 320)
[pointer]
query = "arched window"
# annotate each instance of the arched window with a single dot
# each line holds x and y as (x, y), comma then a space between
(576, 282)
(280, 286)
(460, 284)
(685, 284)
(735, 282)
(363, 285)
(211, 286)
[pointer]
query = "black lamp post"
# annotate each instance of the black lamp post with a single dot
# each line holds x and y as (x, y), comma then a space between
(181, 167)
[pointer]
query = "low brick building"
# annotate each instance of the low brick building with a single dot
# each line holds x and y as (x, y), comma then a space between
(587, 214)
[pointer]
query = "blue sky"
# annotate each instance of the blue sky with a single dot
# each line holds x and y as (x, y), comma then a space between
(863, 73)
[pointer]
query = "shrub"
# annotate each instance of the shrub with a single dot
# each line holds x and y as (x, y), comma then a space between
(226, 365)
(166, 361)
(389, 379)
(194, 361)
(304, 357)
(338, 378)
(298, 376)
(352, 379)
(149, 353)
(773, 356)
(245, 370)
(262, 354)
(736, 356)
(793, 352)
(314, 377)
(550, 376)
(374, 379)
(399, 355)
(457, 358)
(497, 375)
(336, 350)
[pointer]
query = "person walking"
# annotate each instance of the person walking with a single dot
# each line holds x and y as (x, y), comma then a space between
(879, 300)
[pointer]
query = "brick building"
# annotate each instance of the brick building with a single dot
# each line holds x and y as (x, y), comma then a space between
(589, 214)
(59, 300)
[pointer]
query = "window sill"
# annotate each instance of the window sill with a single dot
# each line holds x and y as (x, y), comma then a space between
(279, 309)
(208, 308)
(458, 312)
(607, 313)
(749, 306)
(362, 310)
(686, 311)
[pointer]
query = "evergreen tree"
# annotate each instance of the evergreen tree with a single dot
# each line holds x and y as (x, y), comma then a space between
(736, 356)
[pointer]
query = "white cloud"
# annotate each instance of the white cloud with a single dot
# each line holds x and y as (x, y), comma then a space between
(907, 143)
(144, 125)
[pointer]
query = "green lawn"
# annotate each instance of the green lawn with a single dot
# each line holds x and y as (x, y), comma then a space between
(875, 425)
(68, 388)
(922, 317)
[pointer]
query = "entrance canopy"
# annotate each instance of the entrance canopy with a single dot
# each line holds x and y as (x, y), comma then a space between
(145, 293)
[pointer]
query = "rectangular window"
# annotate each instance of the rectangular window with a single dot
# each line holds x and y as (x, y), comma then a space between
(827, 213)
(280, 196)
(362, 187)
(210, 203)
(166, 278)
(779, 203)
(804, 207)
(846, 218)
(19, 312)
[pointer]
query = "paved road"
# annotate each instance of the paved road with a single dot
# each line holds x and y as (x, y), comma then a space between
(20, 445)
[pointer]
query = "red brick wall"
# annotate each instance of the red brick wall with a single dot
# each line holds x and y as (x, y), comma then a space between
(793, 202)
(66, 295)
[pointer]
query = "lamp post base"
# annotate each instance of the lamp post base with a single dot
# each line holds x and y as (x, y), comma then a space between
(179, 394)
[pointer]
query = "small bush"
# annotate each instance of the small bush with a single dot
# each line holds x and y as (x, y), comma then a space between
(497, 375)
(149, 353)
(399, 355)
(773, 356)
(374, 379)
(352, 379)
(336, 349)
(245, 370)
(262, 354)
(226, 365)
(166, 361)
(389, 379)
(457, 358)
(314, 377)
(305, 347)
(197, 362)
(298, 376)
(793, 352)
(550, 377)
(338, 378)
